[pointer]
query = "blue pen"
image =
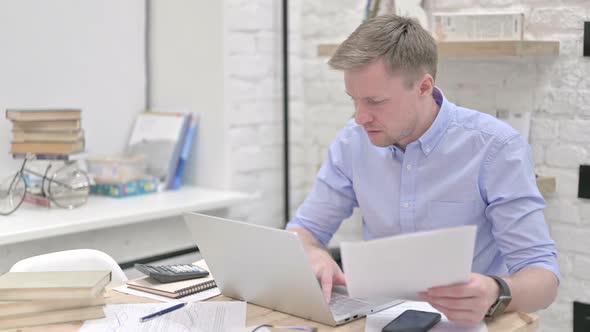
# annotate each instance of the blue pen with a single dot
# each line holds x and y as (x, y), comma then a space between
(161, 312)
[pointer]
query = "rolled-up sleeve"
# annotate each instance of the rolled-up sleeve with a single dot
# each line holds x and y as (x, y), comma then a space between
(332, 198)
(515, 207)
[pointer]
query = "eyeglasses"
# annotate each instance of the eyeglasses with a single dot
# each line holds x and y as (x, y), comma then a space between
(68, 187)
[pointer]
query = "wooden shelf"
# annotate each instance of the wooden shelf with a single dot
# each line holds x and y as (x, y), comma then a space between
(31, 222)
(481, 48)
(499, 48)
(546, 184)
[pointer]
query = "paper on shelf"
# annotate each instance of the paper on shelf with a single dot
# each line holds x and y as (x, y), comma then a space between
(401, 266)
(376, 322)
(199, 316)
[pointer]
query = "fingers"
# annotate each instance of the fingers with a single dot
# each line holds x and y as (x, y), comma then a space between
(464, 303)
(326, 282)
(465, 317)
(478, 286)
(455, 291)
(339, 278)
(451, 302)
(327, 271)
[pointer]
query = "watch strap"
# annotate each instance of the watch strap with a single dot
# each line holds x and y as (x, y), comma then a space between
(503, 299)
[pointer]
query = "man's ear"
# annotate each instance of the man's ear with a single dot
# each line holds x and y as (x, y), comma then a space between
(426, 85)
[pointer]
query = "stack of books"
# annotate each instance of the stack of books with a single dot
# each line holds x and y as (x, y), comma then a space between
(46, 131)
(39, 298)
(177, 289)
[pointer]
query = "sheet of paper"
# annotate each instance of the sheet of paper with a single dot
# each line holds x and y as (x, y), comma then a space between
(376, 322)
(201, 296)
(198, 316)
(401, 266)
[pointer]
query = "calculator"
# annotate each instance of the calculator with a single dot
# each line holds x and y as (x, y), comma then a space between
(171, 273)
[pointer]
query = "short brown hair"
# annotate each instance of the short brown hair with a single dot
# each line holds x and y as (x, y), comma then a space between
(401, 41)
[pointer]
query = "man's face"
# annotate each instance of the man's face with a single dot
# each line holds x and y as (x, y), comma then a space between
(385, 106)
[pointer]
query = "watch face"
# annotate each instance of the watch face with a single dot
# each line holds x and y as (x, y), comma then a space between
(500, 306)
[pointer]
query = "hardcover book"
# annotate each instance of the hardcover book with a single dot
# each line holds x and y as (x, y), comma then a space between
(19, 286)
(43, 114)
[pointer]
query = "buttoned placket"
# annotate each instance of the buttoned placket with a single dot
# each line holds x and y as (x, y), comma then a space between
(407, 195)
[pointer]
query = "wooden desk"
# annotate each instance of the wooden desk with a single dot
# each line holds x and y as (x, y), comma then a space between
(512, 322)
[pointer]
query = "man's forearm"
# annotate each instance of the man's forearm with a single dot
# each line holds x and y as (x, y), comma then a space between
(532, 289)
(309, 241)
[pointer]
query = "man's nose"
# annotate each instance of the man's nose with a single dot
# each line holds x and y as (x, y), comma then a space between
(361, 116)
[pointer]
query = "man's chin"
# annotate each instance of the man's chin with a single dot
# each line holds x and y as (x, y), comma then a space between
(380, 143)
(378, 138)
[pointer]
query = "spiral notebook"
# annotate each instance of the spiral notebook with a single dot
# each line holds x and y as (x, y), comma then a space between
(176, 289)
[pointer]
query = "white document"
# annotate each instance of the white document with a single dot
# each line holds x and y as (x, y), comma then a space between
(201, 296)
(195, 317)
(376, 322)
(403, 265)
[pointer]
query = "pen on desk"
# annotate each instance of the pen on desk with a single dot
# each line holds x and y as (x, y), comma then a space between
(161, 312)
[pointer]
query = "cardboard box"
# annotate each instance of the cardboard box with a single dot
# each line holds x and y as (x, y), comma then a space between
(478, 26)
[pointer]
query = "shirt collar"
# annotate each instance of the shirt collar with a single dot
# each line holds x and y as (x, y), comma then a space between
(433, 135)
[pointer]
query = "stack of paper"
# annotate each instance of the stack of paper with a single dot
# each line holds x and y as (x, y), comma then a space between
(200, 316)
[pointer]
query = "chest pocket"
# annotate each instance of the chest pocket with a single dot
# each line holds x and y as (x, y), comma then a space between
(444, 214)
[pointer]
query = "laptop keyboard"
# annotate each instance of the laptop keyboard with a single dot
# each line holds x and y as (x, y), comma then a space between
(343, 305)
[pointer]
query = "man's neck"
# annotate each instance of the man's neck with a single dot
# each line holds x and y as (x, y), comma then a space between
(430, 115)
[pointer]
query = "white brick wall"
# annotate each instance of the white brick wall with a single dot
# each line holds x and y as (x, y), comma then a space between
(555, 89)
(327, 107)
(253, 92)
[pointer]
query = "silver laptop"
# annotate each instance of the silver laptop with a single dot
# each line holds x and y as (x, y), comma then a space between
(269, 267)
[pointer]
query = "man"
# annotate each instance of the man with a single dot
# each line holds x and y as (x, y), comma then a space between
(413, 161)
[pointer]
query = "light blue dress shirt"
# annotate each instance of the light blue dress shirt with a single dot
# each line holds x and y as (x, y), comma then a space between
(468, 168)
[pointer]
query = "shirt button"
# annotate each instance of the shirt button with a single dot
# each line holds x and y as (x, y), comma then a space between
(409, 167)
(406, 205)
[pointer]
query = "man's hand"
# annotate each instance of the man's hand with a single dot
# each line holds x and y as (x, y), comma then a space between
(323, 265)
(326, 270)
(465, 303)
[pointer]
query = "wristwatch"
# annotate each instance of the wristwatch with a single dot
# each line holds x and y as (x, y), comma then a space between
(502, 301)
